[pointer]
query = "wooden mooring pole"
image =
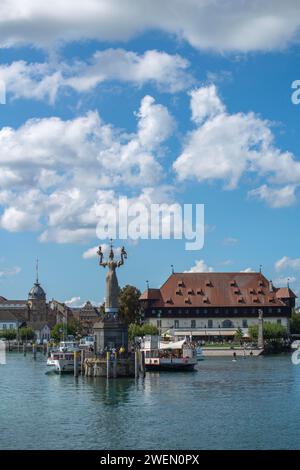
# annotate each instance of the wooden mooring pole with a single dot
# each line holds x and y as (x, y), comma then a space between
(136, 364)
(82, 361)
(115, 365)
(143, 370)
(34, 351)
(108, 365)
(75, 364)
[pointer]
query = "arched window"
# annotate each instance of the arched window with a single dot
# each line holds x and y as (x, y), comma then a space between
(227, 324)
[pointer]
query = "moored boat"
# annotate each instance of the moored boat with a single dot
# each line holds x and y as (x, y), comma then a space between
(62, 359)
(168, 355)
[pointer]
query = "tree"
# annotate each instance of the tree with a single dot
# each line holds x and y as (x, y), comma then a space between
(26, 333)
(141, 330)
(9, 335)
(129, 305)
(295, 323)
(73, 327)
(271, 331)
(239, 334)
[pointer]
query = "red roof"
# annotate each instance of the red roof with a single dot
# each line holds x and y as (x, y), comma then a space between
(214, 289)
(285, 293)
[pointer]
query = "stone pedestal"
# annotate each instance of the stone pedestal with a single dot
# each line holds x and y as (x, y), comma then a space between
(110, 333)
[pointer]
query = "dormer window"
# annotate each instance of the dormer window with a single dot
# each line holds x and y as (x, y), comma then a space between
(200, 292)
(190, 292)
(180, 283)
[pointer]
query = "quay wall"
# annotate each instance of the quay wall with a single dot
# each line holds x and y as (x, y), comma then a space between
(215, 352)
(116, 368)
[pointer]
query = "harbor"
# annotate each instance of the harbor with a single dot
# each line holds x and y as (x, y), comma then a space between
(222, 405)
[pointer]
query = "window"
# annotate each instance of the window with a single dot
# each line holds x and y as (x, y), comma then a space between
(176, 324)
(193, 323)
(210, 323)
(154, 312)
(270, 310)
(245, 324)
(227, 324)
(279, 310)
(279, 321)
(216, 310)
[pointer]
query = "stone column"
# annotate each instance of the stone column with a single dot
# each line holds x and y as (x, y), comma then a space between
(260, 340)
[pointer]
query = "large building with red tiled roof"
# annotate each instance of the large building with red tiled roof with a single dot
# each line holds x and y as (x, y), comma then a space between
(216, 304)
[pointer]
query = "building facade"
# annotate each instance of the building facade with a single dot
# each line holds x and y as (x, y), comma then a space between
(215, 305)
(33, 312)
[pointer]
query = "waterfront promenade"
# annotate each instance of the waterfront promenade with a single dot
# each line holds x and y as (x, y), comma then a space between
(252, 403)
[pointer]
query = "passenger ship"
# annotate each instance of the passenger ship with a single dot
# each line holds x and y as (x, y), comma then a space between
(62, 359)
(168, 355)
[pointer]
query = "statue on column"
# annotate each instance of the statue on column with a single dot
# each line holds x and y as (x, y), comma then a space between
(260, 340)
(112, 285)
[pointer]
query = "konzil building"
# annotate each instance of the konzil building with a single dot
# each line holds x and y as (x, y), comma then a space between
(215, 305)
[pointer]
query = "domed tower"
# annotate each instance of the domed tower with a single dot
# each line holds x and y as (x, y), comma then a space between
(37, 300)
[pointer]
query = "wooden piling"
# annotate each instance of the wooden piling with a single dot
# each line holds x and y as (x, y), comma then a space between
(24, 349)
(75, 364)
(34, 351)
(108, 365)
(82, 361)
(136, 364)
(115, 365)
(143, 370)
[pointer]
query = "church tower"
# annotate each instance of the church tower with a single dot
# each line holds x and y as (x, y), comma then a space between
(37, 300)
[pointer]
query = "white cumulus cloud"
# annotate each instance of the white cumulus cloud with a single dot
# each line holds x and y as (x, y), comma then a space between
(224, 147)
(287, 263)
(200, 266)
(234, 25)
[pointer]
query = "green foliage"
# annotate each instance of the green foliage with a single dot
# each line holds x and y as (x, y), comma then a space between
(72, 328)
(271, 331)
(295, 323)
(141, 330)
(239, 334)
(129, 305)
(9, 335)
(26, 333)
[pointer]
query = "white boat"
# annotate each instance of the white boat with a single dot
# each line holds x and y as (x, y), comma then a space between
(168, 355)
(62, 359)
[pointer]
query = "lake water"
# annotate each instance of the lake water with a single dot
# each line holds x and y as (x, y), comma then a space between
(253, 403)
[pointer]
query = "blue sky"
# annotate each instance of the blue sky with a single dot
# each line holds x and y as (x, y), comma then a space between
(219, 129)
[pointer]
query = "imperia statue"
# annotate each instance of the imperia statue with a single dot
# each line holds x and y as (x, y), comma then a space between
(112, 285)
